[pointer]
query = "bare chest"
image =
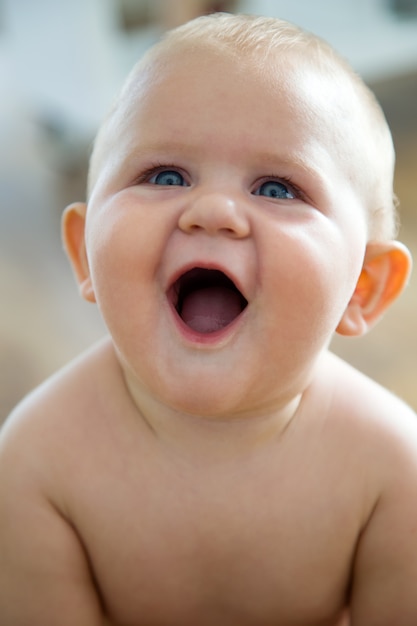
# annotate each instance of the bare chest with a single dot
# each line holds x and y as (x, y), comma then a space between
(219, 547)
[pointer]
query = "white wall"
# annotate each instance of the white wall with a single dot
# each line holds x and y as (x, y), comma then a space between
(61, 56)
(376, 43)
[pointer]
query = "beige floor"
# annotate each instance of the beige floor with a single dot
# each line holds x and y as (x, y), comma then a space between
(43, 323)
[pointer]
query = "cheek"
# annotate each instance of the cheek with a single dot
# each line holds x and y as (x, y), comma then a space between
(123, 256)
(312, 278)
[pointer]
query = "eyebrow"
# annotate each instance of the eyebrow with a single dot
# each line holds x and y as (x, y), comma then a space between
(275, 159)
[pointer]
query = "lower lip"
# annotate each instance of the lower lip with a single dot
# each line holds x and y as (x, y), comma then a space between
(213, 339)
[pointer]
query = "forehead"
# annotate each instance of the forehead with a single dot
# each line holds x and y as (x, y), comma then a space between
(201, 86)
(211, 74)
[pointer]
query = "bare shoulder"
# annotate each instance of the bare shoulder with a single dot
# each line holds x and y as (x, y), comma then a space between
(382, 433)
(361, 403)
(73, 393)
(379, 427)
(45, 577)
(57, 426)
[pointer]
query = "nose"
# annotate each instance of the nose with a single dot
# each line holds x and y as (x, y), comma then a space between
(216, 214)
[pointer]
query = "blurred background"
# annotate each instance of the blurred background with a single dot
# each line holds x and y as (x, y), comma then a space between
(61, 63)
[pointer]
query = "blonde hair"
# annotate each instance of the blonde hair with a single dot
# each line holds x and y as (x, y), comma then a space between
(248, 37)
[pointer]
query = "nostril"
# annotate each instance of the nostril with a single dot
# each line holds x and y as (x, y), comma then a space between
(189, 226)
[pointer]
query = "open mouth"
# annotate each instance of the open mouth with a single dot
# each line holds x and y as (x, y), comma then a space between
(207, 300)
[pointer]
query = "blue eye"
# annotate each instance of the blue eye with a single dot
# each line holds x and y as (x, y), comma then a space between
(168, 177)
(275, 189)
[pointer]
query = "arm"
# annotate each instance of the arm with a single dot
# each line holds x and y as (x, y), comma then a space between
(45, 578)
(384, 588)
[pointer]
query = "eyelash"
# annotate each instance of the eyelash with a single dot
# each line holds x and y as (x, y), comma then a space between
(283, 180)
(157, 168)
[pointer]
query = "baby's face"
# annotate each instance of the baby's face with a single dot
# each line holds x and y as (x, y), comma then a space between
(225, 233)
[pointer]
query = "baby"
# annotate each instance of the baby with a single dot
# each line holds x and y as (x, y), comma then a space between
(211, 463)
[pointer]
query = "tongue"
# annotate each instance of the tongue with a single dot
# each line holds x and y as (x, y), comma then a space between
(211, 308)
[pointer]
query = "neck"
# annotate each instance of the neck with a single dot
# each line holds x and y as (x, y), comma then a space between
(203, 437)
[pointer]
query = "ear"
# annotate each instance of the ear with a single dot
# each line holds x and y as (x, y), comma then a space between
(384, 275)
(73, 225)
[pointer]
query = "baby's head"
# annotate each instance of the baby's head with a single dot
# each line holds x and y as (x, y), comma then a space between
(240, 212)
(282, 51)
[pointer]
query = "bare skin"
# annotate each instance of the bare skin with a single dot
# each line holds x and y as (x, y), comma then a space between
(195, 471)
(125, 525)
